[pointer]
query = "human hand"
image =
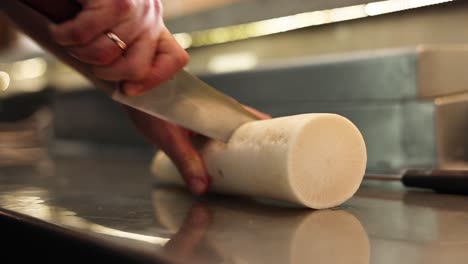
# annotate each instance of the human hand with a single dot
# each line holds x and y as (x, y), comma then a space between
(179, 144)
(151, 57)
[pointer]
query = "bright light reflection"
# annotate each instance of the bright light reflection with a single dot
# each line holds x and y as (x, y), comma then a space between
(347, 13)
(118, 233)
(4, 80)
(302, 20)
(24, 202)
(184, 39)
(28, 69)
(232, 62)
(384, 7)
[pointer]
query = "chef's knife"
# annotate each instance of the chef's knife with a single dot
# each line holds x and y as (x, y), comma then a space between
(185, 100)
(442, 181)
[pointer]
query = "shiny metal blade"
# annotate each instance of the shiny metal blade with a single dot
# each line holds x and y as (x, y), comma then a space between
(383, 177)
(191, 103)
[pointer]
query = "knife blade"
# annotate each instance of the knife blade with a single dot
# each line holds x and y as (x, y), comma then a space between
(191, 103)
(185, 100)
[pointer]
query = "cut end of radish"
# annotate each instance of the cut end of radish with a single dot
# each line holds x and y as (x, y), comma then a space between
(327, 161)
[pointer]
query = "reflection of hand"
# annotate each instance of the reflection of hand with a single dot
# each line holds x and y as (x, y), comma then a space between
(176, 142)
(184, 244)
(152, 55)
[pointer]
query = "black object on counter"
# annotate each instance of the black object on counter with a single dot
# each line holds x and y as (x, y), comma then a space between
(442, 181)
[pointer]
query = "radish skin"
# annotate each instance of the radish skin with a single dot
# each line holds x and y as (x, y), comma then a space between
(314, 160)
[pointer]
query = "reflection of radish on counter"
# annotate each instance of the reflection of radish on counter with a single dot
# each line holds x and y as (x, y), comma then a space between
(242, 231)
(316, 160)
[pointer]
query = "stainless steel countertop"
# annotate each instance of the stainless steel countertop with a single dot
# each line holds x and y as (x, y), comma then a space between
(112, 199)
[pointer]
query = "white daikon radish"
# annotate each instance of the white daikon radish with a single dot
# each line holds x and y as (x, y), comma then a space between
(315, 160)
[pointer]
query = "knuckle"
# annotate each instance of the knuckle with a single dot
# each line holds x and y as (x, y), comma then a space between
(79, 35)
(158, 77)
(136, 71)
(158, 6)
(104, 57)
(124, 7)
(145, 8)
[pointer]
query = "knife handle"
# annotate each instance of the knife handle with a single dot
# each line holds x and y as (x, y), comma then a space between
(442, 181)
(58, 11)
